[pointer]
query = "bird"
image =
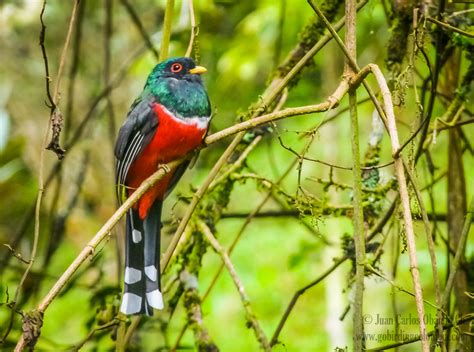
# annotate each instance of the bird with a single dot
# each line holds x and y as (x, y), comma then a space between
(168, 120)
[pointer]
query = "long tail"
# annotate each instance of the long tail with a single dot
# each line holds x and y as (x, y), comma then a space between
(142, 290)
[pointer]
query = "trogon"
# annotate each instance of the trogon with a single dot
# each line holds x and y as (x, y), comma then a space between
(167, 121)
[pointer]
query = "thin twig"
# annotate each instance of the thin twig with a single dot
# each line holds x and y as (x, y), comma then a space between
(351, 62)
(301, 291)
(52, 105)
(432, 251)
(89, 336)
(371, 269)
(138, 23)
(252, 320)
(62, 60)
(449, 27)
(459, 254)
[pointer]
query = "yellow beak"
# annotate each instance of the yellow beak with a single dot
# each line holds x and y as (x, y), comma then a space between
(198, 70)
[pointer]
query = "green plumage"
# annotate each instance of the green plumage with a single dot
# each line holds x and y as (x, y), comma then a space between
(182, 92)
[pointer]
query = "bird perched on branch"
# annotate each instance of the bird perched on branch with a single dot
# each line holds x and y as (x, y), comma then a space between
(166, 122)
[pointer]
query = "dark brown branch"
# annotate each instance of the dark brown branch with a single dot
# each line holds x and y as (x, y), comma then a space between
(51, 104)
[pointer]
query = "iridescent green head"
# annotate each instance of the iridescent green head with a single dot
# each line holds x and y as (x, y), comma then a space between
(176, 83)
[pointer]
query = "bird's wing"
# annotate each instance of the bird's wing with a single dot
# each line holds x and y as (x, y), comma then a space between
(134, 135)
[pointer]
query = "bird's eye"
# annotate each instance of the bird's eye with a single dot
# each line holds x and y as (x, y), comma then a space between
(175, 68)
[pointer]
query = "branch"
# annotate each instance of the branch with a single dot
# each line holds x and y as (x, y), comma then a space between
(252, 320)
(432, 251)
(332, 101)
(300, 292)
(351, 62)
(459, 254)
(405, 201)
(358, 217)
(374, 231)
(192, 303)
(449, 27)
(56, 119)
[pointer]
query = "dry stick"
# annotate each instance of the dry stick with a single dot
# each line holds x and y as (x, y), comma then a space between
(248, 219)
(263, 119)
(237, 164)
(358, 224)
(405, 201)
(432, 251)
(459, 253)
(358, 218)
(252, 320)
(165, 41)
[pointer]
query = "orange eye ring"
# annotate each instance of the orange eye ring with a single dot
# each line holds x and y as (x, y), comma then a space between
(176, 67)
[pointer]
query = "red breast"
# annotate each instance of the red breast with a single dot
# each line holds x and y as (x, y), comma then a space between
(174, 138)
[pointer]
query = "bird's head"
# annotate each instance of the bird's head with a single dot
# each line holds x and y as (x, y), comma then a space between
(176, 84)
(180, 68)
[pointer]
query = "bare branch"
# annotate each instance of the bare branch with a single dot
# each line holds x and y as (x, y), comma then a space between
(240, 288)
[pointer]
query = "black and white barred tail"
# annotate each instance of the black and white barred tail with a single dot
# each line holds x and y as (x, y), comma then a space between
(142, 288)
